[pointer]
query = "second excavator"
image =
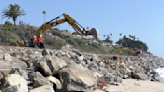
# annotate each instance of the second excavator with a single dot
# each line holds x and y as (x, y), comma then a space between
(79, 30)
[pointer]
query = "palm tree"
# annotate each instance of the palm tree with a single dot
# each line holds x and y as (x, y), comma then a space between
(134, 37)
(110, 35)
(44, 12)
(104, 35)
(13, 11)
(130, 36)
(124, 36)
(120, 34)
(87, 28)
(120, 39)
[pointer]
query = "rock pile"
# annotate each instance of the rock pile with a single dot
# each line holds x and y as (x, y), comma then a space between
(45, 70)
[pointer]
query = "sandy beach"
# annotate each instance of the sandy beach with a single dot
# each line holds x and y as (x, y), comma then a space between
(132, 85)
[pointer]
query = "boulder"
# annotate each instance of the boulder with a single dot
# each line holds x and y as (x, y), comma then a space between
(66, 57)
(1, 56)
(76, 59)
(60, 53)
(55, 81)
(21, 54)
(16, 63)
(16, 88)
(108, 77)
(77, 78)
(12, 79)
(96, 58)
(118, 79)
(20, 72)
(93, 65)
(7, 57)
(45, 88)
(45, 52)
(78, 53)
(5, 68)
(39, 80)
(31, 75)
(50, 64)
(138, 76)
(37, 55)
(104, 71)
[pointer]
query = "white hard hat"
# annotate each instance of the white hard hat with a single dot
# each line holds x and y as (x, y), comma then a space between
(40, 35)
(34, 36)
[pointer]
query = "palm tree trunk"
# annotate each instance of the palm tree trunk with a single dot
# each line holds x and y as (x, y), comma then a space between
(44, 17)
(14, 19)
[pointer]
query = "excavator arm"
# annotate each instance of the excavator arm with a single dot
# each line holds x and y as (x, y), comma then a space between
(75, 25)
(47, 26)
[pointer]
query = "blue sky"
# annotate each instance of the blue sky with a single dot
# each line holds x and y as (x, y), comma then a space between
(141, 18)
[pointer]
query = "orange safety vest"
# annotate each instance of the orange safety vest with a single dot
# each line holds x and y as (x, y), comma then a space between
(34, 40)
(40, 40)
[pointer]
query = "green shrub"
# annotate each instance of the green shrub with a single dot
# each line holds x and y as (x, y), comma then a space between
(7, 28)
(71, 41)
(10, 40)
(79, 41)
(96, 45)
(8, 23)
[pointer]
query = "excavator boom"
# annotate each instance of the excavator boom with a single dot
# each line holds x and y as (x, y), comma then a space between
(47, 26)
(75, 25)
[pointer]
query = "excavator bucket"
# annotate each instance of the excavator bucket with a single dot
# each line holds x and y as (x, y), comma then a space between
(21, 44)
(95, 33)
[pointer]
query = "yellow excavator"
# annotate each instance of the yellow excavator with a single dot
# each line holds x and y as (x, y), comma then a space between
(128, 50)
(79, 30)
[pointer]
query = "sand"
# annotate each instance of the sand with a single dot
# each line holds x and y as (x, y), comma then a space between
(132, 85)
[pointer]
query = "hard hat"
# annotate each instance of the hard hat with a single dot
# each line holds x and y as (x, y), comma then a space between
(34, 36)
(40, 35)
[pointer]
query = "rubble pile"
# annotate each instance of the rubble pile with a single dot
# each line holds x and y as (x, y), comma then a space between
(25, 69)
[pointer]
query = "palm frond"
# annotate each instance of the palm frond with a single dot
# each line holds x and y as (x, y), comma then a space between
(13, 11)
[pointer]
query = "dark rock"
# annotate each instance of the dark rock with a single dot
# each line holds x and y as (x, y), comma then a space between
(108, 77)
(40, 80)
(118, 79)
(78, 53)
(20, 72)
(45, 52)
(138, 76)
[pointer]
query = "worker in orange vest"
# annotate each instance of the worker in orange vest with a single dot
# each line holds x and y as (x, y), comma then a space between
(120, 52)
(35, 41)
(41, 41)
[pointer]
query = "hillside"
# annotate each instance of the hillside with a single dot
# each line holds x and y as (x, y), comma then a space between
(56, 39)
(9, 35)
